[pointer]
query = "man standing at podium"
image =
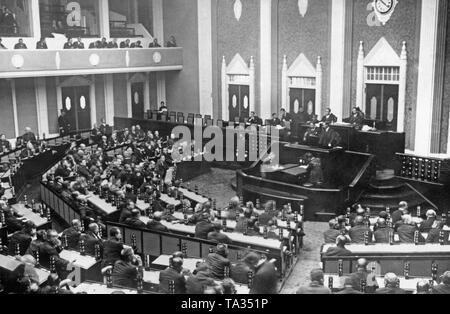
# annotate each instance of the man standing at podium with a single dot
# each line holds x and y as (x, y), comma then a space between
(329, 137)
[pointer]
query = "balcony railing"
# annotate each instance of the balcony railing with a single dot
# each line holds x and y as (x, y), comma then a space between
(25, 63)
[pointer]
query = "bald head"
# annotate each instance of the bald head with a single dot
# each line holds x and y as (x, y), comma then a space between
(381, 222)
(359, 220)
(157, 216)
(362, 263)
(391, 280)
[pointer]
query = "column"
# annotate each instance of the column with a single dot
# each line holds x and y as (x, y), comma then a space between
(41, 106)
(402, 90)
(161, 87)
(266, 59)
(129, 96)
(147, 93)
(134, 11)
(104, 18)
(109, 99)
(252, 85)
(93, 101)
(225, 113)
(35, 19)
(284, 84)
(426, 76)
(205, 56)
(158, 25)
(360, 79)
(337, 57)
(319, 77)
(14, 104)
(59, 100)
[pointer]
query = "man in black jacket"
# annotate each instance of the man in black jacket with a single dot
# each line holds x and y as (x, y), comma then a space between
(444, 287)
(332, 233)
(357, 233)
(112, 247)
(218, 261)
(134, 221)
(21, 239)
(407, 229)
(63, 123)
(217, 236)
(391, 285)
(126, 269)
(266, 278)
(72, 235)
(173, 273)
(339, 249)
(155, 223)
(383, 232)
(92, 239)
(203, 227)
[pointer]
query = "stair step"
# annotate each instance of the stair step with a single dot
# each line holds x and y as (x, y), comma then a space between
(386, 185)
(400, 195)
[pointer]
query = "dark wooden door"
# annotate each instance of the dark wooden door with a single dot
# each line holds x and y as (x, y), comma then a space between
(382, 104)
(239, 98)
(137, 100)
(302, 98)
(76, 102)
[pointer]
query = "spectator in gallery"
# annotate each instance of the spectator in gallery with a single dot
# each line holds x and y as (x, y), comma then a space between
(1, 45)
(125, 44)
(41, 44)
(113, 44)
(20, 45)
(104, 43)
(154, 43)
(171, 43)
(137, 44)
(329, 117)
(78, 44)
(5, 145)
(68, 44)
(275, 121)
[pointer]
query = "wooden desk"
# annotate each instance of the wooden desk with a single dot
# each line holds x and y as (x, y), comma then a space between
(101, 204)
(98, 288)
(85, 267)
(192, 196)
(27, 213)
(162, 262)
(409, 285)
(10, 264)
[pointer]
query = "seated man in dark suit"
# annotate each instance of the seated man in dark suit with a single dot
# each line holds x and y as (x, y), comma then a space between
(339, 249)
(173, 273)
(239, 271)
(329, 137)
(363, 274)
(332, 233)
(218, 261)
(125, 270)
(154, 43)
(265, 280)
(356, 119)
(275, 121)
(92, 239)
(349, 287)
(68, 44)
(357, 233)
(329, 117)
(20, 45)
(72, 235)
(155, 223)
(407, 230)
(217, 236)
(13, 223)
(41, 44)
(317, 285)
(204, 227)
(312, 135)
(134, 221)
(21, 239)
(397, 214)
(383, 232)
(285, 116)
(435, 233)
(125, 44)
(427, 225)
(112, 248)
(254, 119)
(391, 285)
(444, 287)
(51, 248)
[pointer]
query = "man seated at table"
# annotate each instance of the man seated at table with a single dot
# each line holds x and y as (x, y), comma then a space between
(362, 274)
(332, 233)
(426, 225)
(329, 117)
(356, 119)
(92, 239)
(383, 232)
(135, 221)
(406, 230)
(51, 248)
(329, 137)
(173, 273)
(234, 208)
(316, 285)
(217, 236)
(13, 223)
(254, 119)
(126, 211)
(242, 224)
(265, 280)
(312, 134)
(285, 116)
(125, 270)
(397, 214)
(155, 223)
(20, 45)
(444, 286)
(357, 233)
(112, 248)
(275, 121)
(435, 233)
(349, 287)
(339, 249)
(72, 235)
(197, 282)
(391, 285)
(204, 226)
(217, 261)
(21, 239)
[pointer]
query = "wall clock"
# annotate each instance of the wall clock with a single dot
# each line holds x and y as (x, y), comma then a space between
(384, 9)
